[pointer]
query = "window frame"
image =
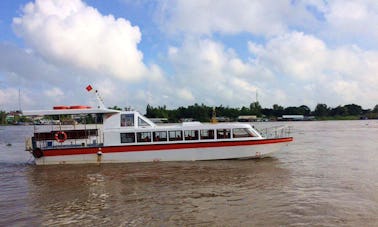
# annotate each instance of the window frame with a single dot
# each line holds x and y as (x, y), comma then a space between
(161, 139)
(143, 137)
(191, 135)
(177, 135)
(248, 133)
(226, 133)
(142, 122)
(122, 134)
(207, 136)
(127, 120)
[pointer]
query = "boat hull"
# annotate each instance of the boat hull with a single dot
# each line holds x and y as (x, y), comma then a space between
(165, 152)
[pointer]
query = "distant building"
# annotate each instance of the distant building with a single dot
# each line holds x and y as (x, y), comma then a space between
(292, 118)
(247, 118)
(186, 119)
(223, 119)
(159, 120)
(11, 117)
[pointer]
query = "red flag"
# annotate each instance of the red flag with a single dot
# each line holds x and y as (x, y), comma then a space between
(89, 88)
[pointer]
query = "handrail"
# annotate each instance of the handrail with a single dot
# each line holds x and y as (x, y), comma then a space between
(281, 131)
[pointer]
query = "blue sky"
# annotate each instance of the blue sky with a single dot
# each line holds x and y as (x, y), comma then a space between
(179, 52)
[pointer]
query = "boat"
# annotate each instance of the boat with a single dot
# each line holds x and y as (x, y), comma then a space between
(101, 135)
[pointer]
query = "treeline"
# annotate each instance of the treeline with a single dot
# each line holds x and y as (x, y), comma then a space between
(3, 116)
(204, 113)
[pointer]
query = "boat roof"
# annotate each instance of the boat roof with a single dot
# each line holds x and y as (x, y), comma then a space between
(69, 112)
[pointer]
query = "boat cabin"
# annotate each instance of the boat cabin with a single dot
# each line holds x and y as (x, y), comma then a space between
(120, 128)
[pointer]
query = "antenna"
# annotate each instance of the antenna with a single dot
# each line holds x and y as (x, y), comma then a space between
(19, 99)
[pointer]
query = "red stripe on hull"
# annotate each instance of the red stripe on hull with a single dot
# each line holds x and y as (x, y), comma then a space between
(156, 147)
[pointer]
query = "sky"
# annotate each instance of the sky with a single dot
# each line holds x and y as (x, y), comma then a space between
(179, 52)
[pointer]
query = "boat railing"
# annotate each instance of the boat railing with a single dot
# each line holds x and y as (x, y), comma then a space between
(78, 135)
(44, 128)
(281, 131)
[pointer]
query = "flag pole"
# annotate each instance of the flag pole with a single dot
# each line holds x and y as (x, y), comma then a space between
(100, 100)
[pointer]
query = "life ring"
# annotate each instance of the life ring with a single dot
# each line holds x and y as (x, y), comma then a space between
(60, 136)
(37, 153)
(61, 107)
(79, 107)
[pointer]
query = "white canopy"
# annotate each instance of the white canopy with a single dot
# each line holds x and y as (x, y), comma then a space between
(68, 112)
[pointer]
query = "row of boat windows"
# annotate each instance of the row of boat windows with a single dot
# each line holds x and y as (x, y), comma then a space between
(178, 135)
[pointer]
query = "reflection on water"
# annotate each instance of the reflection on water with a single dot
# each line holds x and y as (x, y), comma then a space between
(160, 193)
(327, 177)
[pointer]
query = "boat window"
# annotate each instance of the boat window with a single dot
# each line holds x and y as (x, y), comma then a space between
(160, 136)
(191, 135)
(241, 132)
(143, 136)
(207, 134)
(142, 122)
(127, 120)
(175, 135)
(223, 133)
(128, 137)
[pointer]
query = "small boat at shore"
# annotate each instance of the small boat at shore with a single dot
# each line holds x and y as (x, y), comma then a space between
(115, 136)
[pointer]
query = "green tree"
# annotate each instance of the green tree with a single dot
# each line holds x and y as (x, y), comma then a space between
(291, 110)
(321, 110)
(353, 109)
(375, 110)
(3, 116)
(339, 111)
(277, 110)
(255, 108)
(115, 108)
(304, 110)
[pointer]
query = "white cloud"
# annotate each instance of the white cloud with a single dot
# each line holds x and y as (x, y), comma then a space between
(310, 70)
(269, 17)
(356, 18)
(55, 94)
(294, 54)
(72, 33)
(214, 74)
(13, 98)
(301, 52)
(185, 94)
(8, 97)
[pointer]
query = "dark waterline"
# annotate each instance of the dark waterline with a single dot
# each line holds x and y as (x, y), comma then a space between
(327, 177)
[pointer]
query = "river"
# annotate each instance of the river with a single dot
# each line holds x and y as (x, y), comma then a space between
(327, 177)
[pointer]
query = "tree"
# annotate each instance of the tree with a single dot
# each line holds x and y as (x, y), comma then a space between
(115, 108)
(339, 111)
(278, 110)
(321, 110)
(304, 110)
(255, 108)
(353, 109)
(291, 110)
(375, 110)
(3, 116)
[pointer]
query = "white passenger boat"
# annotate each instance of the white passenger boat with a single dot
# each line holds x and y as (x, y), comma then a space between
(127, 136)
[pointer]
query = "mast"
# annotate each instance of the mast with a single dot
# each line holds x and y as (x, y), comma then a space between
(214, 117)
(19, 99)
(100, 100)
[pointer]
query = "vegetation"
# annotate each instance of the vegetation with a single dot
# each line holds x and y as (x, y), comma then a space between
(3, 116)
(204, 113)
